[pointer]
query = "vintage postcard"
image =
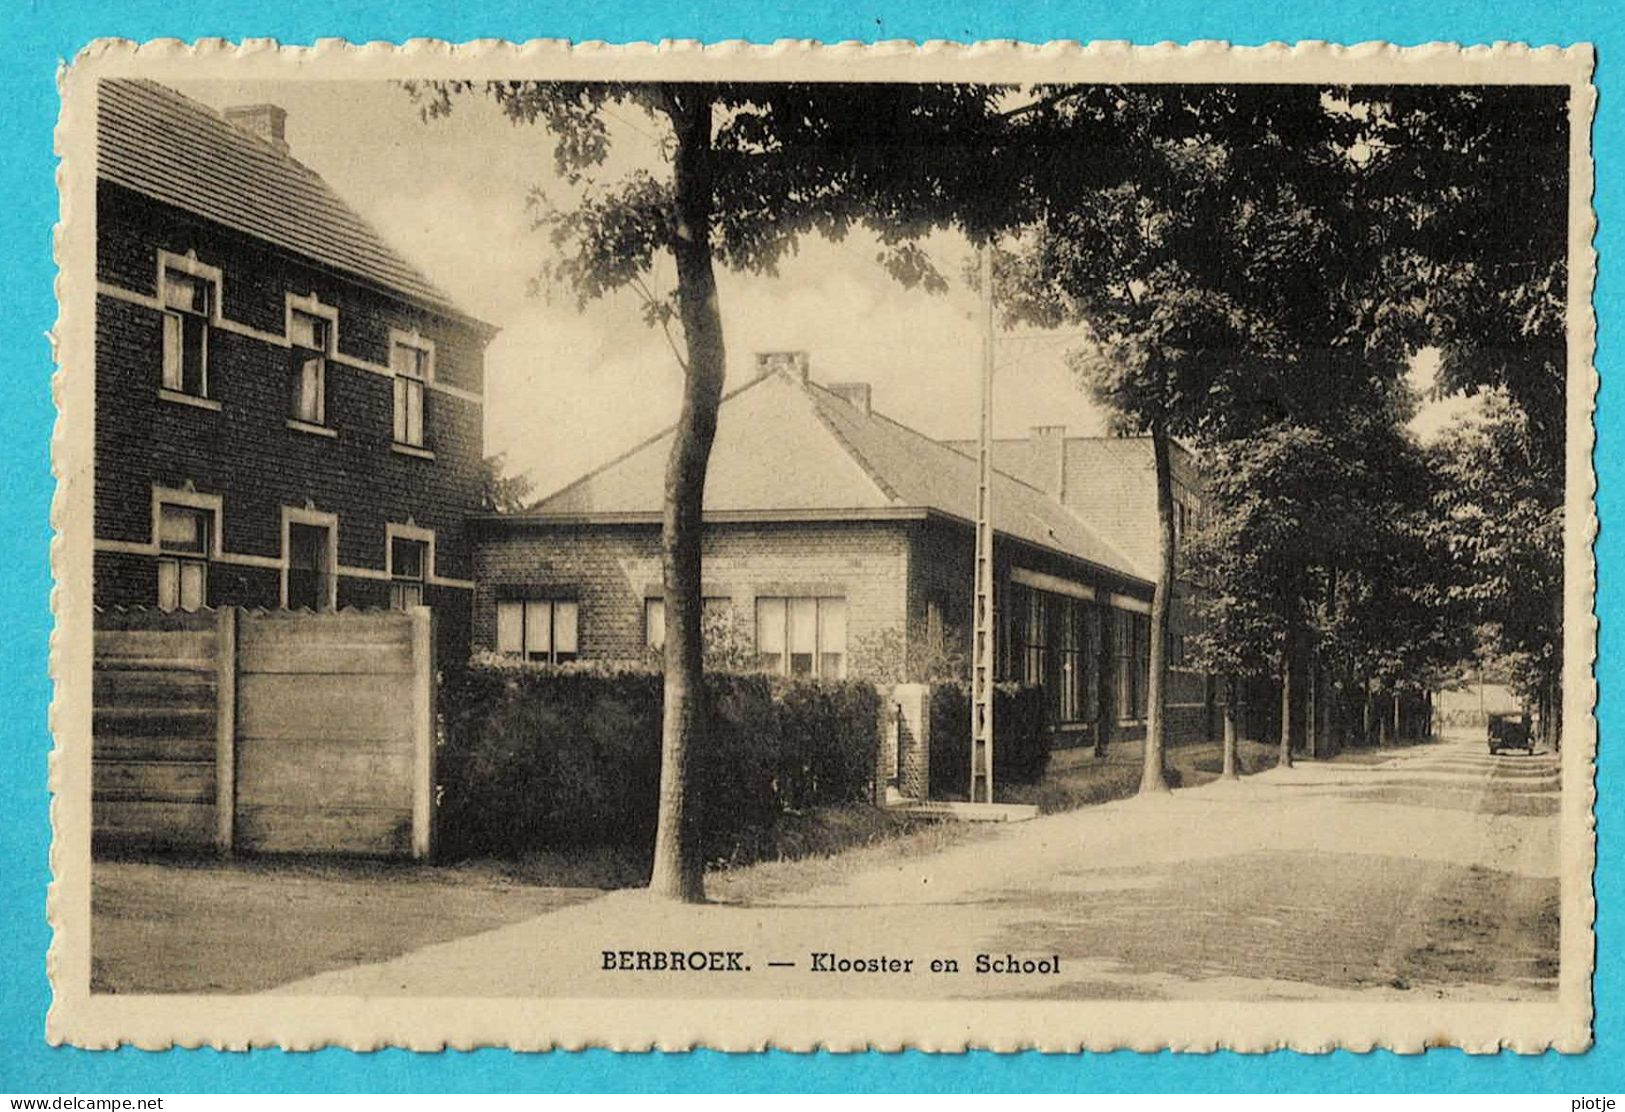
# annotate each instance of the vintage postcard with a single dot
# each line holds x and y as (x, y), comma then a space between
(935, 546)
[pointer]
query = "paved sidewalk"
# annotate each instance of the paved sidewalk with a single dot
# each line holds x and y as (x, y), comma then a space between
(1433, 871)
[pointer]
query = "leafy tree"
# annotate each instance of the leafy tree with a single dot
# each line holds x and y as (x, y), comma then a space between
(499, 491)
(746, 170)
(1444, 167)
(1501, 518)
(1323, 538)
(1192, 230)
(1260, 265)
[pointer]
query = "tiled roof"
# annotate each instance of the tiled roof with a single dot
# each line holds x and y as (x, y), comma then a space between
(784, 446)
(928, 473)
(1110, 483)
(159, 143)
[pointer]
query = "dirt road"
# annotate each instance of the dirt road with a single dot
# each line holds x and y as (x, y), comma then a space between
(1430, 870)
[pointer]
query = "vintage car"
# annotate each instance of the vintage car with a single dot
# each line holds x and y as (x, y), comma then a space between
(1510, 731)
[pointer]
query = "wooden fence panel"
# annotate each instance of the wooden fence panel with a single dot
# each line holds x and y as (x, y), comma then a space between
(265, 731)
(155, 721)
(327, 737)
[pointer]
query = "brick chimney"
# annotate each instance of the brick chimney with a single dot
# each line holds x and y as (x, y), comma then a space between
(266, 121)
(1049, 459)
(796, 364)
(855, 394)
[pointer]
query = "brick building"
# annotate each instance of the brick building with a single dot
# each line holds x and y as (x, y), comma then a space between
(838, 542)
(1110, 482)
(288, 413)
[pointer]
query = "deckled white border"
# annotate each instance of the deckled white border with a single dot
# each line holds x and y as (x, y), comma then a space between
(674, 1024)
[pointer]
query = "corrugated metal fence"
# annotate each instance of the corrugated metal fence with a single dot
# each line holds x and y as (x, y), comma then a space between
(271, 731)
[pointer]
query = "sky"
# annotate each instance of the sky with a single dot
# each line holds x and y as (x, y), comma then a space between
(569, 387)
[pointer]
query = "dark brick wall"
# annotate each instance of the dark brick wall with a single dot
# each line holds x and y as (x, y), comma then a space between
(245, 452)
(127, 579)
(131, 229)
(940, 567)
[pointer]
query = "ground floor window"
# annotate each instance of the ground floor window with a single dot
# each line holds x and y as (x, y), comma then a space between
(408, 567)
(542, 630)
(1055, 643)
(312, 580)
(716, 610)
(801, 636)
(1131, 653)
(183, 561)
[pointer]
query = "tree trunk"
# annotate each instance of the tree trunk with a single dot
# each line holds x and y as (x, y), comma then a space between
(1311, 707)
(1285, 760)
(1230, 772)
(1154, 778)
(1554, 710)
(1328, 714)
(679, 865)
(1367, 726)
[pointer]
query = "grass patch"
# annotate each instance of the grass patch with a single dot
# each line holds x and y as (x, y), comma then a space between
(1092, 782)
(213, 925)
(834, 843)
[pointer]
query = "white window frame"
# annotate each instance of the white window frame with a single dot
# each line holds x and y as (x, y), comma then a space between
(313, 306)
(295, 515)
(819, 651)
(392, 532)
(213, 504)
(416, 342)
(552, 603)
(652, 602)
(212, 276)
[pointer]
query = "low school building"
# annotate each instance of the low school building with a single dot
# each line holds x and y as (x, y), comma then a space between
(838, 542)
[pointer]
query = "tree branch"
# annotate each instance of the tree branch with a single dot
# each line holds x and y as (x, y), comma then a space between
(654, 305)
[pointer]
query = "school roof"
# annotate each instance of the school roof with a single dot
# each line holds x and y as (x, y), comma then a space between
(159, 143)
(1110, 482)
(789, 449)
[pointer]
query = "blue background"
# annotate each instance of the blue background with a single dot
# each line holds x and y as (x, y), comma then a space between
(36, 36)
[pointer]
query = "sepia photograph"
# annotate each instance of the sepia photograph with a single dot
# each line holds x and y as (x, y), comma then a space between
(810, 546)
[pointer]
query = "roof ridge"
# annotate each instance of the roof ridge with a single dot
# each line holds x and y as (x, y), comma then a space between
(863, 462)
(1128, 562)
(949, 447)
(536, 506)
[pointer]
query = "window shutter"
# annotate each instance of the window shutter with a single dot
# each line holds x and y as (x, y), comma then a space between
(172, 352)
(510, 627)
(654, 622)
(770, 625)
(538, 629)
(565, 615)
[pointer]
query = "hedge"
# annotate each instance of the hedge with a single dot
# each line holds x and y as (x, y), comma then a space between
(544, 757)
(1022, 736)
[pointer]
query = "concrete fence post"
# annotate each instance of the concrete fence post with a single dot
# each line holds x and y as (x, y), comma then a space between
(225, 729)
(911, 739)
(423, 678)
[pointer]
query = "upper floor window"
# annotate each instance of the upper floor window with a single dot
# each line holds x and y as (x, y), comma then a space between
(184, 540)
(312, 338)
(542, 630)
(412, 363)
(408, 570)
(802, 636)
(187, 309)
